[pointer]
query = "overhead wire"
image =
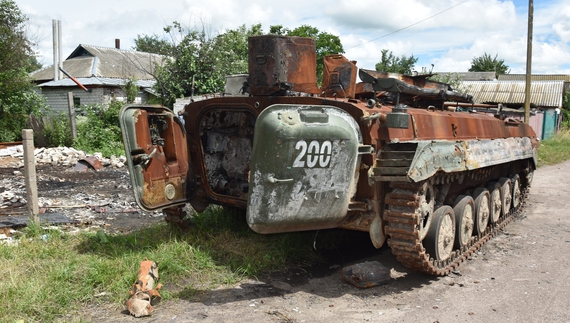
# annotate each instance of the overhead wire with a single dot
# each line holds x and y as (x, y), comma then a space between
(416, 23)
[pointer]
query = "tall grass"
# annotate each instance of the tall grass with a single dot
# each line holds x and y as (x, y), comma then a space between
(555, 149)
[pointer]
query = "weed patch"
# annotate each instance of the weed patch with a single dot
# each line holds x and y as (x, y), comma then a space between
(554, 150)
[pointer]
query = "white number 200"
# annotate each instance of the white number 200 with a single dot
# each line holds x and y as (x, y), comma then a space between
(317, 154)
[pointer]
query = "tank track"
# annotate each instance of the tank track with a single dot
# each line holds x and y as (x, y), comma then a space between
(402, 222)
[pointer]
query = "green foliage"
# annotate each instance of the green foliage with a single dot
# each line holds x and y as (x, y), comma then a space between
(15, 107)
(555, 149)
(98, 129)
(326, 43)
(57, 131)
(566, 110)
(205, 59)
(17, 98)
(153, 44)
(15, 48)
(486, 63)
(131, 89)
(394, 64)
(453, 79)
(33, 64)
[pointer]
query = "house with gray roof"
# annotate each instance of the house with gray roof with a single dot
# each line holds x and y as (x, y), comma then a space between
(103, 72)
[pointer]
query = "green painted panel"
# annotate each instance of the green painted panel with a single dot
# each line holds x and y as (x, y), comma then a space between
(549, 124)
(304, 168)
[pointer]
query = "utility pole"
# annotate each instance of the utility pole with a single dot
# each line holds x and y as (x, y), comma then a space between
(528, 63)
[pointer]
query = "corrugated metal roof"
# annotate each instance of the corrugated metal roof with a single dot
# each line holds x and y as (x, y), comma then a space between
(470, 76)
(542, 93)
(87, 61)
(535, 77)
(97, 81)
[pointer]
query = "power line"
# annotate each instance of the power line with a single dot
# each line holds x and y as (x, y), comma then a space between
(416, 23)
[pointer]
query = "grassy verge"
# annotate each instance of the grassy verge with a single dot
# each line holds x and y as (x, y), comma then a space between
(555, 149)
(49, 274)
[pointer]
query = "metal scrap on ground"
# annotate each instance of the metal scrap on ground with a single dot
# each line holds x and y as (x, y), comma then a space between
(366, 274)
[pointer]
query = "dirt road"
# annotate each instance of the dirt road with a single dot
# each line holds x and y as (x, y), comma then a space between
(520, 276)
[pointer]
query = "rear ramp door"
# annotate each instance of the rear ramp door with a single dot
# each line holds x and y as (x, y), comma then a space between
(304, 168)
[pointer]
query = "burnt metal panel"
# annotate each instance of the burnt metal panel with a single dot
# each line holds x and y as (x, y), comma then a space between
(157, 157)
(278, 64)
(410, 85)
(339, 77)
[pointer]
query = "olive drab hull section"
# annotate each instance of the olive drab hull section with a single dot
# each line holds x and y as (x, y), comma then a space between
(304, 168)
(430, 157)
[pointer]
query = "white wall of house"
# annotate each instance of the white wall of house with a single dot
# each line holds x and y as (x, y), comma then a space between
(57, 97)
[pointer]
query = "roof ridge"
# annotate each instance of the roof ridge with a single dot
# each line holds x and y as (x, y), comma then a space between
(118, 49)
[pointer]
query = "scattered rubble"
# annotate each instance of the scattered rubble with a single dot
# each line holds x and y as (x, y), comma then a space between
(64, 156)
(91, 199)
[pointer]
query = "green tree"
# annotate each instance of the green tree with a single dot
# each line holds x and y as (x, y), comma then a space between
(33, 64)
(17, 98)
(153, 44)
(486, 63)
(206, 59)
(326, 43)
(394, 64)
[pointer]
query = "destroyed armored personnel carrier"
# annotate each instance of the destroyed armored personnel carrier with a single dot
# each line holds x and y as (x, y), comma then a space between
(404, 158)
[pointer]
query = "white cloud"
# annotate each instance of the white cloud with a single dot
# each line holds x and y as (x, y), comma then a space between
(449, 40)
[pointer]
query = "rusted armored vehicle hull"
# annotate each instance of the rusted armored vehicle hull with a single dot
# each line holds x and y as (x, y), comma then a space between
(391, 156)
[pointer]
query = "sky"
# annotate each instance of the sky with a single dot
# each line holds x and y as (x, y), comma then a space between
(445, 33)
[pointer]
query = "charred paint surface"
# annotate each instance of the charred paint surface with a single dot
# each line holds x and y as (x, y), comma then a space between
(227, 140)
(278, 64)
(450, 157)
(155, 144)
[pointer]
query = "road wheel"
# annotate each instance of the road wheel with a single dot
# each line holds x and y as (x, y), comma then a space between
(506, 194)
(441, 235)
(517, 198)
(464, 210)
(496, 203)
(482, 210)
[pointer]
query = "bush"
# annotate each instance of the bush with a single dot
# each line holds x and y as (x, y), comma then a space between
(14, 112)
(98, 129)
(57, 131)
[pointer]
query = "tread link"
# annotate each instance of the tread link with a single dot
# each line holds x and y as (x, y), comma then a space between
(402, 229)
